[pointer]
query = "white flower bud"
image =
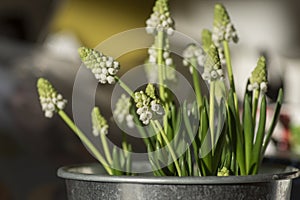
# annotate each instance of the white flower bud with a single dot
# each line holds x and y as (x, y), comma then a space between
(104, 71)
(206, 76)
(61, 104)
(143, 116)
(166, 54)
(169, 61)
(112, 71)
(185, 62)
(152, 59)
(116, 64)
(111, 80)
(48, 114)
(214, 74)
(50, 107)
(255, 86)
(154, 106)
(146, 122)
(108, 63)
(263, 87)
(139, 111)
(170, 31)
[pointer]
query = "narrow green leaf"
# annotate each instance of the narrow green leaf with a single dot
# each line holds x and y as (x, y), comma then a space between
(182, 163)
(260, 134)
(249, 133)
(274, 120)
(189, 161)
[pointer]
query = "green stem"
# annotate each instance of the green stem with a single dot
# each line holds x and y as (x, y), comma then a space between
(255, 102)
(212, 113)
(124, 86)
(230, 73)
(106, 149)
(164, 137)
(160, 46)
(196, 83)
(143, 133)
(85, 140)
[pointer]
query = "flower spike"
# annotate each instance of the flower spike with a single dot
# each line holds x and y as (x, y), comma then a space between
(147, 104)
(258, 79)
(223, 28)
(206, 38)
(212, 66)
(103, 67)
(122, 111)
(193, 52)
(100, 125)
(160, 19)
(50, 100)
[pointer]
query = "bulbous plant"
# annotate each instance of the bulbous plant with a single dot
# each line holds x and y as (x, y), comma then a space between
(232, 146)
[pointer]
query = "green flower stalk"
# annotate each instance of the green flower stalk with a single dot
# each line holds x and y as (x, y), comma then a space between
(50, 100)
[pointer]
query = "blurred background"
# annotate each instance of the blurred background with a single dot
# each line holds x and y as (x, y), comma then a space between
(41, 37)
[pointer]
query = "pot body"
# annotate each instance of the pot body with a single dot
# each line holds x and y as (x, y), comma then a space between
(87, 182)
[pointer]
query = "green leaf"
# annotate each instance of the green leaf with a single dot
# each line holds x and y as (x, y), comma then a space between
(249, 133)
(274, 120)
(260, 134)
(182, 163)
(189, 161)
(236, 135)
(128, 160)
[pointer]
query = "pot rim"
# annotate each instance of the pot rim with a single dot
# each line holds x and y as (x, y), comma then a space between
(73, 172)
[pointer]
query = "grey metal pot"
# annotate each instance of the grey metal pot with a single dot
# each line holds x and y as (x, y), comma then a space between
(88, 181)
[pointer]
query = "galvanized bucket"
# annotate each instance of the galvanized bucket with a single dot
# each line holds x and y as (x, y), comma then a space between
(89, 182)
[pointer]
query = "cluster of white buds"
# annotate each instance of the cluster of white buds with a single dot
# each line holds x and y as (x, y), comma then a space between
(193, 52)
(160, 19)
(223, 29)
(258, 79)
(212, 65)
(152, 63)
(122, 111)
(103, 67)
(153, 52)
(50, 100)
(221, 33)
(147, 104)
(99, 123)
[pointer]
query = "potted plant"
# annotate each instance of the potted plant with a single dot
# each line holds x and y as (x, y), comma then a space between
(200, 143)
